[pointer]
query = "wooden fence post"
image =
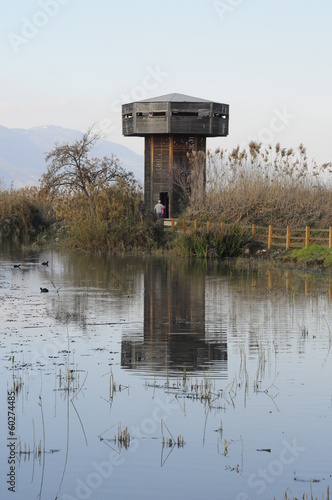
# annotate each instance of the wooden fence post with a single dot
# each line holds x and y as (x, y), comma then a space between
(172, 222)
(208, 226)
(184, 226)
(195, 224)
(254, 230)
(288, 234)
(330, 237)
(269, 241)
(307, 237)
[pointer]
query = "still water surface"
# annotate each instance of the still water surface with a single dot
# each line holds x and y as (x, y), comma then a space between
(154, 378)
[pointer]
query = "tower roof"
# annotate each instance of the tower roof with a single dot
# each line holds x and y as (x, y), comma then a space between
(174, 98)
(175, 114)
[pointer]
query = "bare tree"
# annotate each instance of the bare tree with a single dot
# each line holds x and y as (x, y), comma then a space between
(73, 170)
(189, 179)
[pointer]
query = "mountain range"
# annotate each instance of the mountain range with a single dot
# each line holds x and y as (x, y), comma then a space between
(22, 153)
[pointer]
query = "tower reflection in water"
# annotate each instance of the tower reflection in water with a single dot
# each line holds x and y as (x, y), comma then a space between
(182, 324)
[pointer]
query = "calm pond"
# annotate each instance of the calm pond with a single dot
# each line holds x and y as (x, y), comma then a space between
(156, 378)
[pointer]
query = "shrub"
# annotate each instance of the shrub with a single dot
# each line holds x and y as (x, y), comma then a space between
(214, 243)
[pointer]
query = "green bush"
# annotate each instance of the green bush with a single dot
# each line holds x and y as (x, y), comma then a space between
(214, 243)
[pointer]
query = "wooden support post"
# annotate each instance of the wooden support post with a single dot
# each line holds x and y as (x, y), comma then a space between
(184, 226)
(288, 234)
(307, 237)
(172, 222)
(269, 241)
(330, 237)
(196, 224)
(208, 226)
(254, 230)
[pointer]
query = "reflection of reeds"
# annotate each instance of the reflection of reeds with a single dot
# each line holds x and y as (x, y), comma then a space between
(43, 423)
(310, 496)
(18, 377)
(123, 437)
(261, 366)
(27, 452)
(170, 440)
(243, 372)
(304, 331)
(201, 390)
(112, 385)
(17, 385)
(69, 381)
(330, 340)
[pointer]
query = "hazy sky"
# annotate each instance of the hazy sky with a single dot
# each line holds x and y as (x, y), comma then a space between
(73, 63)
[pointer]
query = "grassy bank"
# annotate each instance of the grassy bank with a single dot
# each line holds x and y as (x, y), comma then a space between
(311, 257)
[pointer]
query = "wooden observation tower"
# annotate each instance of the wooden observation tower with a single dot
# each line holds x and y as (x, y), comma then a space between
(172, 125)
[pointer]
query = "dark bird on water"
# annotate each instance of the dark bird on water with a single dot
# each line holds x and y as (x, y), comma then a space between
(17, 265)
(43, 290)
(45, 263)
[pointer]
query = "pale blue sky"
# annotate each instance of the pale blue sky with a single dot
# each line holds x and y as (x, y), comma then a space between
(72, 63)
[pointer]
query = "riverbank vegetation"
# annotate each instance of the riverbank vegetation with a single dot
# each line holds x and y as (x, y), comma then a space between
(313, 256)
(96, 205)
(24, 215)
(260, 186)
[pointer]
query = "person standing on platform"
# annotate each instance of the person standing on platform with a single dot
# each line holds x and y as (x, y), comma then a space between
(158, 209)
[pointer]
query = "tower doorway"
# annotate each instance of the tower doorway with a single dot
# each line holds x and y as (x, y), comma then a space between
(164, 198)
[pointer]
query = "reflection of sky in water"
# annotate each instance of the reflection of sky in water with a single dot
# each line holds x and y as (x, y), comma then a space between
(138, 323)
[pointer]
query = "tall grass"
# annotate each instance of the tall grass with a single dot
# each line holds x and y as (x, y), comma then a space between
(110, 219)
(263, 186)
(23, 215)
